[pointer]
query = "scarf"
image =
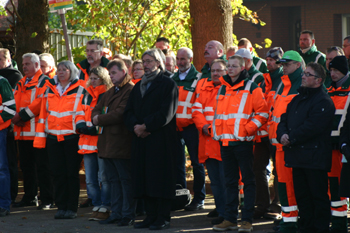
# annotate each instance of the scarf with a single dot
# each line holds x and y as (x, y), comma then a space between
(147, 79)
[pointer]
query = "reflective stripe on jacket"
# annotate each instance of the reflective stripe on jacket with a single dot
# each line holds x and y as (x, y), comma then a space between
(59, 115)
(7, 103)
(280, 104)
(203, 114)
(239, 111)
(28, 100)
(88, 143)
(341, 99)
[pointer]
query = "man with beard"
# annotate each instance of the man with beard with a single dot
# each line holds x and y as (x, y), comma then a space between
(186, 79)
(93, 59)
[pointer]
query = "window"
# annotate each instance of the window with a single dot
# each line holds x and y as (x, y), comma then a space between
(346, 25)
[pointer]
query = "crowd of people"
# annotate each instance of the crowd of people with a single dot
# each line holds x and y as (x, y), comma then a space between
(130, 122)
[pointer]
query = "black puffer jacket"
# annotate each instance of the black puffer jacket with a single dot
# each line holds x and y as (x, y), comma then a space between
(308, 123)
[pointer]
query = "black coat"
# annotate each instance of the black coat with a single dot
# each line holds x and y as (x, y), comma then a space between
(153, 157)
(344, 187)
(308, 123)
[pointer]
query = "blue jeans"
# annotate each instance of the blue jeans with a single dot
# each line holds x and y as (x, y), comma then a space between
(217, 184)
(235, 158)
(95, 174)
(5, 195)
(191, 138)
(119, 177)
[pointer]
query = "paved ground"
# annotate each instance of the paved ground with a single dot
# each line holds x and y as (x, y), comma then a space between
(30, 220)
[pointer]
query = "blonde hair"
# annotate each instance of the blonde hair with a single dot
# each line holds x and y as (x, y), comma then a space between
(102, 73)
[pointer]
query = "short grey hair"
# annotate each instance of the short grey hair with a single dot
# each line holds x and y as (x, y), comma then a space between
(156, 56)
(34, 58)
(97, 42)
(48, 58)
(187, 50)
(71, 67)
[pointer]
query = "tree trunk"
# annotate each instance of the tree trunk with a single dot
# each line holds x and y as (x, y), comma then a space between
(34, 19)
(212, 20)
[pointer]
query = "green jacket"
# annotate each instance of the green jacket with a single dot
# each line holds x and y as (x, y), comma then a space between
(206, 73)
(295, 80)
(313, 56)
(7, 103)
(187, 82)
(84, 66)
(260, 64)
(255, 75)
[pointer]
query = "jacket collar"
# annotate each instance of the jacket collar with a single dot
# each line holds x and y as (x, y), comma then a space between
(190, 75)
(34, 80)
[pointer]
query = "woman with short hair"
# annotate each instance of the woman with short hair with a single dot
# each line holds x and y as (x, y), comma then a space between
(60, 115)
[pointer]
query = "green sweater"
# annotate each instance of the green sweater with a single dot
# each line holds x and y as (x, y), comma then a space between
(187, 82)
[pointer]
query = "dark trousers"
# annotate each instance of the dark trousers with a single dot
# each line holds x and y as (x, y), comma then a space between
(237, 158)
(64, 164)
(158, 209)
(311, 188)
(191, 138)
(119, 178)
(13, 165)
(261, 160)
(34, 164)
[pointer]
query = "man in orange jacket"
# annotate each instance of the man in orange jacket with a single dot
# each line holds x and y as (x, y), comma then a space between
(209, 149)
(186, 79)
(33, 161)
(240, 110)
(93, 59)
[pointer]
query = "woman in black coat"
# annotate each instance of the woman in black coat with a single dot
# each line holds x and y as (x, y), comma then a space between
(150, 115)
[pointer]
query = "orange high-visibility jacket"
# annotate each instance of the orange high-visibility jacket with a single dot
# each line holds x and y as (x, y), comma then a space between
(341, 100)
(7, 103)
(239, 111)
(202, 114)
(59, 115)
(88, 143)
(28, 100)
(279, 107)
(52, 73)
(187, 96)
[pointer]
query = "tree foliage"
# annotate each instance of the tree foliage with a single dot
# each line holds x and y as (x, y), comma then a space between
(132, 26)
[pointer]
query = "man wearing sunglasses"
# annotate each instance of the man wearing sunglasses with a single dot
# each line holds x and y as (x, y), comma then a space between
(305, 133)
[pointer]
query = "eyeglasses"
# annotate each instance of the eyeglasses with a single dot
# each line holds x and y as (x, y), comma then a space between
(147, 61)
(217, 71)
(307, 74)
(232, 66)
(92, 51)
(94, 79)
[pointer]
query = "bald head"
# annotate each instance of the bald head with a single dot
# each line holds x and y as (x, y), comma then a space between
(213, 50)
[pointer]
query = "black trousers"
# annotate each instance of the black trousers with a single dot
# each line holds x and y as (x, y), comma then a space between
(158, 209)
(311, 188)
(34, 164)
(64, 164)
(261, 160)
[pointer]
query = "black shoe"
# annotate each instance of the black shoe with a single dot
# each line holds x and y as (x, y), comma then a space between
(24, 203)
(70, 214)
(217, 221)
(156, 226)
(86, 203)
(145, 223)
(126, 222)
(194, 206)
(45, 206)
(60, 214)
(213, 214)
(110, 220)
(258, 214)
(4, 212)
